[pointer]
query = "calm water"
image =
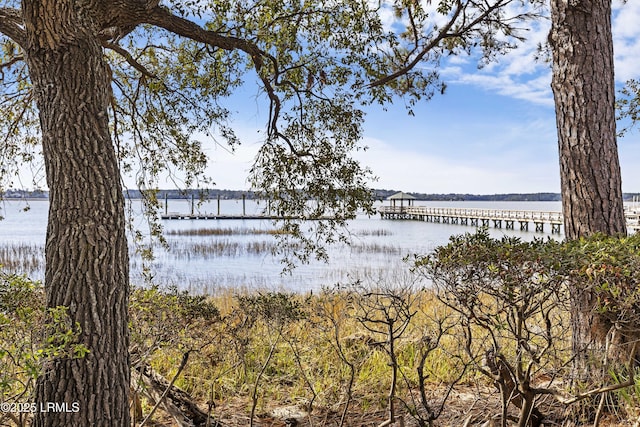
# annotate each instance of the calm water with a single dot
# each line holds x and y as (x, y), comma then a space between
(209, 263)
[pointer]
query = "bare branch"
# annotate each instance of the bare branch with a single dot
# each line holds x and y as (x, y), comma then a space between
(11, 25)
(596, 391)
(560, 397)
(12, 61)
(129, 58)
(442, 35)
(185, 358)
(9, 63)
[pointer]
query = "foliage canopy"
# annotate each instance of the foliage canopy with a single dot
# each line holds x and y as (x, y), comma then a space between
(174, 65)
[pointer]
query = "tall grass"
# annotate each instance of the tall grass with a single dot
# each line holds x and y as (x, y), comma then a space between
(22, 257)
(241, 231)
(184, 250)
(312, 349)
(172, 263)
(237, 231)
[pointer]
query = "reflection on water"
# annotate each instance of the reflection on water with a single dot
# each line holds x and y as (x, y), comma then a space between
(207, 255)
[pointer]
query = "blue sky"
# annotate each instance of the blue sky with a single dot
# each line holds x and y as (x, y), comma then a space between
(492, 132)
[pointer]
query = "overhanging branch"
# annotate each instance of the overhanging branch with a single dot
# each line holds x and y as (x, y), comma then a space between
(163, 18)
(11, 25)
(11, 62)
(129, 58)
(443, 34)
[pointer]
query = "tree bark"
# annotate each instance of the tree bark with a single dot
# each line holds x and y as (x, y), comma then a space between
(584, 93)
(86, 249)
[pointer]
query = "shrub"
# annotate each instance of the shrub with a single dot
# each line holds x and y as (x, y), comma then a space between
(511, 298)
(30, 337)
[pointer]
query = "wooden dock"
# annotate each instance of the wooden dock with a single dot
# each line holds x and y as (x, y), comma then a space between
(633, 220)
(477, 217)
(488, 217)
(177, 215)
(211, 216)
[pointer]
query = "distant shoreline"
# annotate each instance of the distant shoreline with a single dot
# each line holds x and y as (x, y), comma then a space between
(26, 199)
(379, 195)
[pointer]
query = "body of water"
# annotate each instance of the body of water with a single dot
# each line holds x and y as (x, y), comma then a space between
(242, 257)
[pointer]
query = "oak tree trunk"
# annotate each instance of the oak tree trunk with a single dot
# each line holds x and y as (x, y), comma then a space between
(86, 248)
(584, 93)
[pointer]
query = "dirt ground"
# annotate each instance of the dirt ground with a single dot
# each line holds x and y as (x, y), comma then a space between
(467, 406)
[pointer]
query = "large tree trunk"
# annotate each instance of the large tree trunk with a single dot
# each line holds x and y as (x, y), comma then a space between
(584, 93)
(86, 249)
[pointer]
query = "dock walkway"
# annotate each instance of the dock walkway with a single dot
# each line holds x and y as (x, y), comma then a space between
(212, 216)
(177, 215)
(486, 217)
(476, 217)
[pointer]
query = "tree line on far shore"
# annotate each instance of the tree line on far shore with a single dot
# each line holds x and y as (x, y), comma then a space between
(379, 194)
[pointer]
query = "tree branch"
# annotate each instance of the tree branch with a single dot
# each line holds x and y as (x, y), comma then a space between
(560, 397)
(185, 358)
(599, 390)
(129, 58)
(11, 25)
(12, 61)
(163, 18)
(443, 34)
(9, 63)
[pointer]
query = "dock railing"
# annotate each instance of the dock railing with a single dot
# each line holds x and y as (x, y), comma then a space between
(500, 214)
(476, 216)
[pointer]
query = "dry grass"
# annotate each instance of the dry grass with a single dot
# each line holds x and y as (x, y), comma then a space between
(294, 352)
(306, 368)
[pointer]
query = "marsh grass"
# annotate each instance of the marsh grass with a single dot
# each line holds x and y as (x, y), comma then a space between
(236, 231)
(262, 349)
(378, 232)
(186, 250)
(242, 231)
(22, 257)
(172, 263)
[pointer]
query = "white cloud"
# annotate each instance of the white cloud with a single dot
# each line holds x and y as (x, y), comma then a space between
(518, 74)
(411, 170)
(626, 38)
(625, 19)
(230, 170)
(536, 90)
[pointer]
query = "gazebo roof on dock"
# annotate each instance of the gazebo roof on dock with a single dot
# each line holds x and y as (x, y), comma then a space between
(400, 195)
